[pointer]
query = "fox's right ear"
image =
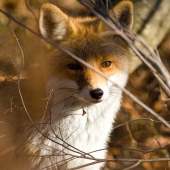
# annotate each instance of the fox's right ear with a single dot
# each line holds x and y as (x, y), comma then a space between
(53, 23)
(123, 12)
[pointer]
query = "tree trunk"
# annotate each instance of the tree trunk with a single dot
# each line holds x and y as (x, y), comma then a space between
(152, 23)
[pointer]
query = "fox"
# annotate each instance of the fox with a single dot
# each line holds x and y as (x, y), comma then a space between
(61, 115)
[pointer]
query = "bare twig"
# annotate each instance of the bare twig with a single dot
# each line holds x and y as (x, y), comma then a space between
(22, 53)
(30, 10)
(8, 77)
(133, 166)
(138, 120)
(122, 160)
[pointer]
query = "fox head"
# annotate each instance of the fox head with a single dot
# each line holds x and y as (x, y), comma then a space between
(85, 38)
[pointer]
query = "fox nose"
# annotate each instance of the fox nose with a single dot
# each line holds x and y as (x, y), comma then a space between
(96, 93)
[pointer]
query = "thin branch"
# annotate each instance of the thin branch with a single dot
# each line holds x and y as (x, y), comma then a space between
(131, 149)
(8, 77)
(85, 165)
(133, 166)
(30, 10)
(122, 160)
(22, 53)
(137, 120)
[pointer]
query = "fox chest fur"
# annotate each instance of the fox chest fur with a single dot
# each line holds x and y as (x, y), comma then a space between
(64, 112)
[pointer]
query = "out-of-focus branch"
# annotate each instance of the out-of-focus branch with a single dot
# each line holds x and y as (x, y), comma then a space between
(124, 160)
(133, 166)
(145, 119)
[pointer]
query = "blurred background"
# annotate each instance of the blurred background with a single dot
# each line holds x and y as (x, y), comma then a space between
(152, 22)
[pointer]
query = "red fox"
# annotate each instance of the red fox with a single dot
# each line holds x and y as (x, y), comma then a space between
(71, 107)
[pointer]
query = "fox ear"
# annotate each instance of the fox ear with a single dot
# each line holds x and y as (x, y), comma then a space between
(53, 23)
(123, 12)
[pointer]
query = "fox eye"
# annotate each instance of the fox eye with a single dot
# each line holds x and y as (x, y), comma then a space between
(106, 64)
(74, 66)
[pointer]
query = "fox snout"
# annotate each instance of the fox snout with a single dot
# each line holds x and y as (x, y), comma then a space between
(96, 93)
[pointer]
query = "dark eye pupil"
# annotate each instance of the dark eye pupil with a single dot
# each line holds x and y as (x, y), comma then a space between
(106, 64)
(74, 66)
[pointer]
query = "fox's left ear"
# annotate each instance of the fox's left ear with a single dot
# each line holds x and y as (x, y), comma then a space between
(123, 12)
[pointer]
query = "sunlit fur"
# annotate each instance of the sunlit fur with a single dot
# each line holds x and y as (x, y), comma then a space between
(58, 99)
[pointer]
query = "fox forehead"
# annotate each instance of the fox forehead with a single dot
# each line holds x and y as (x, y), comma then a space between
(87, 42)
(86, 38)
(92, 49)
